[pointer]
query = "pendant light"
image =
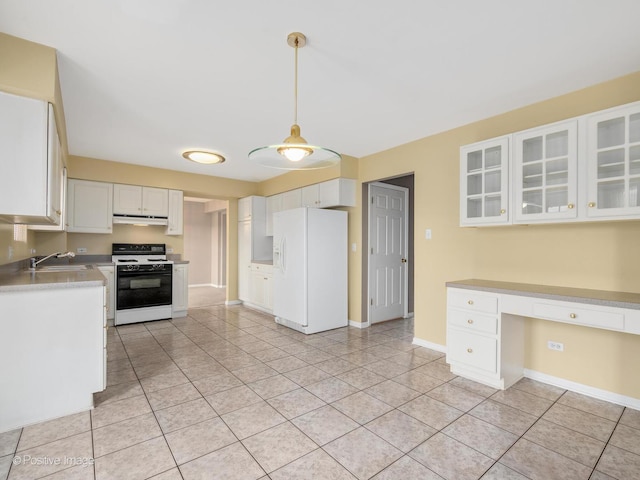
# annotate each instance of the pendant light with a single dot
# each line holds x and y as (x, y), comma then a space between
(294, 153)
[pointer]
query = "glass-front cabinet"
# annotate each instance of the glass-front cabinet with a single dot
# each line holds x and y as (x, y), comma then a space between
(545, 173)
(484, 182)
(613, 156)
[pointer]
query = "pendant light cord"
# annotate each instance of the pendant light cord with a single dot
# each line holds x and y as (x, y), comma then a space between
(295, 89)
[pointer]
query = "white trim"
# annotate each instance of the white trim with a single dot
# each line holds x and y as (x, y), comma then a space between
(355, 324)
(409, 315)
(432, 346)
(233, 302)
(587, 390)
(202, 285)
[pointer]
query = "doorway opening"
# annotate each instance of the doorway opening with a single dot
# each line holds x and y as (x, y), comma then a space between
(388, 264)
(205, 246)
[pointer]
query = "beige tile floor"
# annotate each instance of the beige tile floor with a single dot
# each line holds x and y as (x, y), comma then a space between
(227, 394)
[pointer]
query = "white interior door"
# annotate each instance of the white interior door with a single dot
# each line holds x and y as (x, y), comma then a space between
(387, 252)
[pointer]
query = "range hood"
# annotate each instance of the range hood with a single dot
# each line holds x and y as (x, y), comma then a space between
(134, 220)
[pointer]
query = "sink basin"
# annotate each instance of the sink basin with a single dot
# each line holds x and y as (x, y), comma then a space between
(63, 268)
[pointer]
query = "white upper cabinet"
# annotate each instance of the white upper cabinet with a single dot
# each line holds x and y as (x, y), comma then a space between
(175, 219)
(484, 182)
(613, 159)
(545, 173)
(140, 201)
(282, 201)
(339, 192)
(30, 148)
(89, 206)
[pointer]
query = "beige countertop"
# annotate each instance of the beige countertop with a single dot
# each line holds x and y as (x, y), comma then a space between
(25, 280)
(566, 294)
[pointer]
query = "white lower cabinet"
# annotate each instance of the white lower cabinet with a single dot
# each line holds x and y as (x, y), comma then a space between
(479, 344)
(109, 272)
(260, 287)
(180, 299)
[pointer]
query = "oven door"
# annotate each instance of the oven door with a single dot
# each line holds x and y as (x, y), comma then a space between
(143, 288)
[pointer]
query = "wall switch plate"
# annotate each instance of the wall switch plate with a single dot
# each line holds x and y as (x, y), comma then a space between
(427, 234)
(353, 247)
(557, 346)
(81, 250)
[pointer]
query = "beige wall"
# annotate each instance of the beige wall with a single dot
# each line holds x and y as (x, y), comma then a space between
(588, 255)
(198, 242)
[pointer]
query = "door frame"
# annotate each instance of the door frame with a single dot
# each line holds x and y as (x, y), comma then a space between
(405, 276)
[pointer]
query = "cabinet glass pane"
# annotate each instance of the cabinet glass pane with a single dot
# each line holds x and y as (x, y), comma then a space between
(557, 171)
(634, 128)
(474, 184)
(532, 202)
(611, 163)
(474, 161)
(492, 181)
(532, 149)
(492, 206)
(557, 199)
(492, 157)
(557, 144)
(532, 175)
(634, 160)
(611, 133)
(474, 207)
(611, 194)
(634, 192)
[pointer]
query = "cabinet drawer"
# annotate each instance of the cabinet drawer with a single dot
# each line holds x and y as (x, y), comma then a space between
(472, 350)
(473, 321)
(470, 300)
(579, 316)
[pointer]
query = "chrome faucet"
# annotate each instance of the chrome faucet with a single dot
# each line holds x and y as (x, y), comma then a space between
(34, 262)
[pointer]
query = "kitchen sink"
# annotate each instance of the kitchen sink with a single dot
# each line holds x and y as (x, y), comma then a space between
(63, 268)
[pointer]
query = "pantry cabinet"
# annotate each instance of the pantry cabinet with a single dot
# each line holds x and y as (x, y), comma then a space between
(30, 185)
(484, 182)
(253, 243)
(89, 206)
(613, 160)
(140, 201)
(545, 173)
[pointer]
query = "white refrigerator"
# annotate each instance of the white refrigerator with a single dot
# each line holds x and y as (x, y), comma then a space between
(310, 269)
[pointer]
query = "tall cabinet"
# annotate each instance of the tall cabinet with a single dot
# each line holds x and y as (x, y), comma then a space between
(253, 244)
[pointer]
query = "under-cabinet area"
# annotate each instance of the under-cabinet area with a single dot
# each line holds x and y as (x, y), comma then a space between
(583, 169)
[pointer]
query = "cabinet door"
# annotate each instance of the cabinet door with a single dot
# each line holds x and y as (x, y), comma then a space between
(256, 288)
(484, 181)
(109, 273)
(545, 175)
(175, 220)
(339, 192)
(244, 259)
(155, 202)
(613, 156)
(127, 199)
(244, 209)
(268, 292)
(180, 295)
(292, 199)
(274, 204)
(55, 172)
(310, 195)
(89, 206)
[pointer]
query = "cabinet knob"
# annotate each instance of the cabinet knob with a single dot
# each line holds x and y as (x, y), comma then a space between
(469, 350)
(592, 204)
(470, 322)
(470, 302)
(570, 206)
(502, 211)
(572, 315)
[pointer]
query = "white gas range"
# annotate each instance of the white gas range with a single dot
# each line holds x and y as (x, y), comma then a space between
(143, 282)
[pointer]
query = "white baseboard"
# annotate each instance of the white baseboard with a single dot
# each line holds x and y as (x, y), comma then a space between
(207, 285)
(359, 324)
(233, 302)
(584, 389)
(432, 346)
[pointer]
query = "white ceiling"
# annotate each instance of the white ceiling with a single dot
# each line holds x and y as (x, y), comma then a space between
(143, 80)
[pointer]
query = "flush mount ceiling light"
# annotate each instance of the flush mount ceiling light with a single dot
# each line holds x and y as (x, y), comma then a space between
(202, 156)
(294, 153)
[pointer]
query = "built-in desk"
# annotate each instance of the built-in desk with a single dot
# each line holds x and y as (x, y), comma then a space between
(485, 322)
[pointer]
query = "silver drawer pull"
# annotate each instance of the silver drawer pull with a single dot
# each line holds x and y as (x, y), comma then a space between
(573, 315)
(469, 350)
(469, 321)
(470, 302)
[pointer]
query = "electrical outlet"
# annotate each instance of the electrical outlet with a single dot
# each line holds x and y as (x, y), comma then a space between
(557, 346)
(169, 250)
(81, 250)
